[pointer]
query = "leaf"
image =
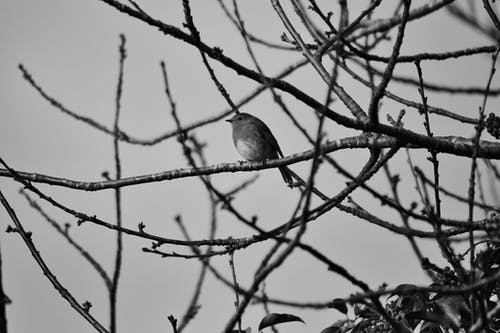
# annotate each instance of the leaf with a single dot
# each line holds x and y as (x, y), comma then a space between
(430, 327)
(365, 312)
(361, 326)
(277, 318)
(409, 301)
(339, 304)
(332, 329)
(488, 260)
(453, 308)
(424, 315)
(339, 326)
(402, 288)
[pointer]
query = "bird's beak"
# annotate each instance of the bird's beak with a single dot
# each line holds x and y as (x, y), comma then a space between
(228, 120)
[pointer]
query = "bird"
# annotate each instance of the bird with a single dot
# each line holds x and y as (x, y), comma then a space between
(255, 141)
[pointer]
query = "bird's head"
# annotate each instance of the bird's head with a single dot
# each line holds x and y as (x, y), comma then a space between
(239, 119)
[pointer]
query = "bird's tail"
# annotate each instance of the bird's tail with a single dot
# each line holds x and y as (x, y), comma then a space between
(286, 174)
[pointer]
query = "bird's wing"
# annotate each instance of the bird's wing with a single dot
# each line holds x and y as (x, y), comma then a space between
(270, 139)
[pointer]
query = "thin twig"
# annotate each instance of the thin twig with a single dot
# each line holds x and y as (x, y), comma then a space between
(442, 88)
(446, 249)
(491, 13)
(406, 102)
(113, 293)
(387, 76)
(481, 191)
(196, 35)
(236, 286)
(253, 37)
(426, 180)
(65, 233)
(349, 102)
(425, 56)
(393, 182)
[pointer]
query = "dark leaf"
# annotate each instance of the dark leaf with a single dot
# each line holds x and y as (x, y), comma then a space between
(488, 259)
(430, 327)
(332, 329)
(337, 326)
(361, 326)
(365, 312)
(424, 315)
(409, 302)
(277, 318)
(490, 304)
(339, 304)
(402, 288)
(452, 308)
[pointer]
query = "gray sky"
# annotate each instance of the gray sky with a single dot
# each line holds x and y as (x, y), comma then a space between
(71, 49)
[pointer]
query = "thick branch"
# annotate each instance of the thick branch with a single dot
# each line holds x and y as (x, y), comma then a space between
(452, 145)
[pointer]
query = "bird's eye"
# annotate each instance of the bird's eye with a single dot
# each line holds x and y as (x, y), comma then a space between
(240, 118)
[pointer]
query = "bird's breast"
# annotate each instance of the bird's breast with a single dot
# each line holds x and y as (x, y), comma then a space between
(250, 149)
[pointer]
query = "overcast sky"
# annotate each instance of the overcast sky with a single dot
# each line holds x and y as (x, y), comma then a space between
(71, 49)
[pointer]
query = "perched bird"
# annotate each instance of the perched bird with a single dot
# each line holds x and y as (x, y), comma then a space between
(255, 142)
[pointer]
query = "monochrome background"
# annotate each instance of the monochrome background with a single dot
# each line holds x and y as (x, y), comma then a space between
(71, 49)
